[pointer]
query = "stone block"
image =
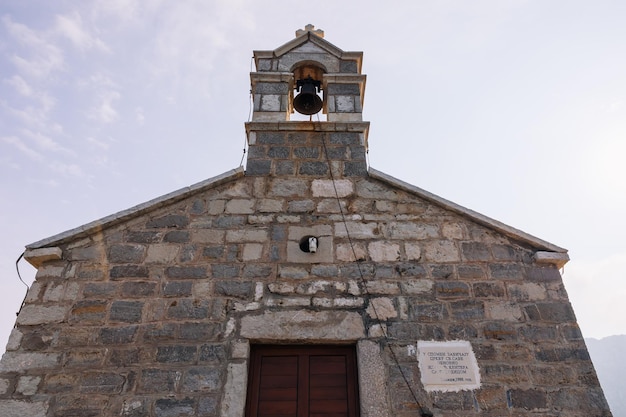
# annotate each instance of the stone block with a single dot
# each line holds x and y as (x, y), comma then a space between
(234, 398)
(475, 251)
(22, 361)
(413, 251)
(177, 289)
(300, 206)
(381, 251)
(159, 380)
(32, 314)
(281, 187)
(212, 353)
(412, 231)
(240, 206)
(101, 383)
(528, 291)
(177, 236)
(440, 251)
(252, 252)
(173, 407)
(357, 230)
(143, 237)
(544, 274)
(258, 167)
(488, 289)
(128, 271)
(84, 358)
(332, 189)
(126, 253)
(243, 236)
(186, 272)
(88, 311)
(168, 221)
(506, 271)
(467, 309)
(452, 289)
(382, 287)
(201, 379)
(471, 272)
(381, 309)
(417, 286)
(551, 312)
(199, 331)
(316, 168)
(225, 271)
(117, 335)
(126, 311)
(531, 399)
(305, 325)
(207, 406)
(50, 271)
(15, 408)
(15, 339)
(505, 311)
(175, 354)
(89, 253)
(187, 308)
(27, 385)
(234, 289)
(134, 289)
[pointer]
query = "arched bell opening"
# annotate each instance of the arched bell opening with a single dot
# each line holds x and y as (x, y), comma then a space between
(308, 98)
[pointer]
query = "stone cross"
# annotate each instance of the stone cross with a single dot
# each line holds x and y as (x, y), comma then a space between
(310, 28)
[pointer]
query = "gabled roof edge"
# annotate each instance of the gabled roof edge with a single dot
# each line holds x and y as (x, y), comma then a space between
(139, 209)
(471, 214)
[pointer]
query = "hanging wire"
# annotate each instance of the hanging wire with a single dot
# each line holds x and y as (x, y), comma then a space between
(17, 267)
(424, 412)
(250, 102)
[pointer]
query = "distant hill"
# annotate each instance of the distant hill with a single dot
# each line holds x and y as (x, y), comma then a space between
(608, 358)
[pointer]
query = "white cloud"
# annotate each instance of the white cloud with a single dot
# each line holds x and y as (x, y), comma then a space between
(71, 27)
(20, 85)
(70, 170)
(597, 292)
(44, 58)
(46, 143)
(98, 143)
(21, 146)
(104, 111)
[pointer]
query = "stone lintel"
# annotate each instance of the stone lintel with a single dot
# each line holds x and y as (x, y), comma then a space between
(301, 325)
(271, 77)
(36, 257)
(551, 258)
(305, 126)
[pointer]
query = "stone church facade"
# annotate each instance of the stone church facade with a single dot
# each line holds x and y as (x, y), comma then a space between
(308, 284)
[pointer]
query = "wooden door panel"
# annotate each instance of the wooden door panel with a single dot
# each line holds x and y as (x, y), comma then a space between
(302, 381)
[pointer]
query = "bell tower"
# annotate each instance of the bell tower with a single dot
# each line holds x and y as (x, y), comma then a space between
(312, 77)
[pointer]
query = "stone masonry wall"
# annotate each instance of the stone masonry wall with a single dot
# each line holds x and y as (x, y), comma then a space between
(155, 317)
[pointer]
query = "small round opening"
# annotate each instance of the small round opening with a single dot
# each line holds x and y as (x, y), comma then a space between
(309, 244)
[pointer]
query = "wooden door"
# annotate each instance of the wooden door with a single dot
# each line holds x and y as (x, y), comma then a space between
(302, 381)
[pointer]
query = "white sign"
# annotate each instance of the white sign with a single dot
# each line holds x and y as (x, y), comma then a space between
(448, 366)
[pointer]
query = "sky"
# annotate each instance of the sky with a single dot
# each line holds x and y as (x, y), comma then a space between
(513, 108)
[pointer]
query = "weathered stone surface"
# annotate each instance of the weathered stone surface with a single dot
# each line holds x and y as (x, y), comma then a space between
(303, 325)
(235, 390)
(15, 408)
(37, 314)
(21, 361)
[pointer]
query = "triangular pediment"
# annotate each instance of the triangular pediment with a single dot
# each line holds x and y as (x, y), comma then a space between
(308, 46)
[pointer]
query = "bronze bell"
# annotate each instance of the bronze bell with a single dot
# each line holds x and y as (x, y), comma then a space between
(307, 101)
